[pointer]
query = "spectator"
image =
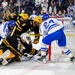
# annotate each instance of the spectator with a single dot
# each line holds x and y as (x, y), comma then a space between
(16, 7)
(53, 14)
(68, 14)
(49, 3)
(4, 3)
(33, 15)
(44, 6)
(6, 12)
(11, 5)
(1, 12)
(59, 14)
(70, 9)
(60, 7)
(41, 13)
(28, 6)
(64, 13)
(38, 6)
(52, 8)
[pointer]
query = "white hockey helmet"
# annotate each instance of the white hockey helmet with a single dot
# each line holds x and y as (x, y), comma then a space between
(26, 37)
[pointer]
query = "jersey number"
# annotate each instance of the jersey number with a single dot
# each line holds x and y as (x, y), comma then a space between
(49, 24)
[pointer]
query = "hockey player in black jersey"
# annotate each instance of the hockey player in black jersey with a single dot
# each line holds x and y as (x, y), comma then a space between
(15, 47)
(23, 24)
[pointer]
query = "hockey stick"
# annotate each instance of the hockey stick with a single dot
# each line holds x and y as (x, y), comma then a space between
(35, 34)
(13, 31)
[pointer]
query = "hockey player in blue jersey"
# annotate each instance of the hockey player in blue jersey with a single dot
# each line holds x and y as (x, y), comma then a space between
(51, 29)
(5, 29)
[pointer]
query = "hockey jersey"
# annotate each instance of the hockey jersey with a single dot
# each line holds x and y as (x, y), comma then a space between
(4, 30)
(50, 25)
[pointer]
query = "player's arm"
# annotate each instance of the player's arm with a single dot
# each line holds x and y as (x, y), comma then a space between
(17, 28)
(37, 34)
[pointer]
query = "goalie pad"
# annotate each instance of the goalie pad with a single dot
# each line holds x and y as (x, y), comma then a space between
(5, 56)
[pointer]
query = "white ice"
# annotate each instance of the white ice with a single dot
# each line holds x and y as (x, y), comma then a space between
(32, 67)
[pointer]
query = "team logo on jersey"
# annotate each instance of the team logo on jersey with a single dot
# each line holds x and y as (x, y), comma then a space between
(20, 46)
(23, 24)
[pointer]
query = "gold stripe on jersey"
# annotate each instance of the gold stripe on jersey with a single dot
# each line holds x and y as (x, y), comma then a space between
(23, 24)
(32, 52)
(18, 21)
(8, 45)
(18, 26)
(18, 29)
(18, 53)
(5, 41)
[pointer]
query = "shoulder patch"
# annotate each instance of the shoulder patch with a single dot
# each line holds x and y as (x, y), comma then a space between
(23, 24)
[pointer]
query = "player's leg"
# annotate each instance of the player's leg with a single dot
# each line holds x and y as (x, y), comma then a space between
(62, 45)
(7, 56)
(43, 52)
(47, 41)
(58, 35)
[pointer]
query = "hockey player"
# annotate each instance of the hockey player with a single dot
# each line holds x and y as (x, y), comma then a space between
(44, 17)
(14, 49)
(24, 24)
(19, 24)
(5, 29)
(51, 29)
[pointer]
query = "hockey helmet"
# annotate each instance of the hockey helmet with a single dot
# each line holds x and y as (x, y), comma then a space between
(11, 23)
(25, 37)
(12, 15)
(45, 17)
(24, 16)
(37, 19)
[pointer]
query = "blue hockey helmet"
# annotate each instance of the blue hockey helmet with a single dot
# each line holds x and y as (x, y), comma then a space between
(45, 17)
(11, 23)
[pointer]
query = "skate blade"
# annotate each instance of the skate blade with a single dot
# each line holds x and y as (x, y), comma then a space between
(44, 62)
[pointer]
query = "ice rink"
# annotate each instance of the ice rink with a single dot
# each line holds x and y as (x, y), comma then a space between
(59, 65)
(32, 67)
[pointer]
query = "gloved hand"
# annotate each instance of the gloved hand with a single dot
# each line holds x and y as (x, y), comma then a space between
(36, 40)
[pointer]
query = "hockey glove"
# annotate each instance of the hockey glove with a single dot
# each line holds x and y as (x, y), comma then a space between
(36, 40)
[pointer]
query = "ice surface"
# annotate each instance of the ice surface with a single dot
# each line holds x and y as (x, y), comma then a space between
(32, 67)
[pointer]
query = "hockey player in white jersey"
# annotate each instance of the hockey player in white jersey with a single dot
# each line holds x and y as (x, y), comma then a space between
(5, 29)
(51, 29)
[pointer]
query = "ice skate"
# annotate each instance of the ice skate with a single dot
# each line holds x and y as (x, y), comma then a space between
(42, 59)
(1, 59)
(72, 59)
(39, 53)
